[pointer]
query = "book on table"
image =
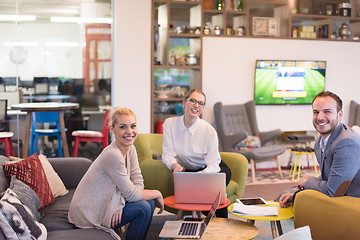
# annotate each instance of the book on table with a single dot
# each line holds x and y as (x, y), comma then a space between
(251, 210)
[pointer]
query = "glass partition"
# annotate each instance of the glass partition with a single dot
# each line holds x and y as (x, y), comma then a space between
(55, 51)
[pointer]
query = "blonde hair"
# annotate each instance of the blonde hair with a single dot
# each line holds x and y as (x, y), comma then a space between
(188, 94)
(117, 111)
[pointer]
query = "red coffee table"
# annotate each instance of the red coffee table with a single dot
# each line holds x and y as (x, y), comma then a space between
(196, 208)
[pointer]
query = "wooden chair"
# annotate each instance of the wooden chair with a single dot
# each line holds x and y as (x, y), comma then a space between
(93, 136)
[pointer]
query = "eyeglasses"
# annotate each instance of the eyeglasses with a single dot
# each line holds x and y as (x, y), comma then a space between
(194, 101)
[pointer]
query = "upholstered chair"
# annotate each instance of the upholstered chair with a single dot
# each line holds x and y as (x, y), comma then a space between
(354, 114)
(327, 217)
(236, 122)
(158, 176)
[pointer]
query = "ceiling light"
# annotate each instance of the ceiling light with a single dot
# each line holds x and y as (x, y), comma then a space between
(17, 18)
(80, 20)
(62, 44)
(27, 44)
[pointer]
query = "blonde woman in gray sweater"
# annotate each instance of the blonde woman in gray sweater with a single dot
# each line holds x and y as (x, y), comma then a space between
(111, 193)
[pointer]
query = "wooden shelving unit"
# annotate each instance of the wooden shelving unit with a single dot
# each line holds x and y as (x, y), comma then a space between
(170, 16)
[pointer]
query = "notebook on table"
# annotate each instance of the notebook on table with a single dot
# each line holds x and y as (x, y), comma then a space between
(201, 188)
(189, 229)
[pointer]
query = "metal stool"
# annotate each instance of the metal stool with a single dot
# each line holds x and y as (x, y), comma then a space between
(301, 146)
(297, 162)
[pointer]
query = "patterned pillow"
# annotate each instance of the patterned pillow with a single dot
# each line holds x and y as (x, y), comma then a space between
(31, 172)
(16, 221)
(248, 142)
(56, 184)
(27, 196)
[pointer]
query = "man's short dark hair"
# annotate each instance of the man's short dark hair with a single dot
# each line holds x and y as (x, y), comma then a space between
(102, 84)
(333, 96)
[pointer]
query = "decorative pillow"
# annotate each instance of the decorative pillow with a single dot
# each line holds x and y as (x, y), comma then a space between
(248, 142)
(31, 172)
(27, 196)
(3, 180)
(157, 156)
(56, 185)
(16, 221)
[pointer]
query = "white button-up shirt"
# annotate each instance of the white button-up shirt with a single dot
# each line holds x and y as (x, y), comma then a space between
(193, 148)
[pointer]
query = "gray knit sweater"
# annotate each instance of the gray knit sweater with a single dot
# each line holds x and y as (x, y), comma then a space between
(104, 189)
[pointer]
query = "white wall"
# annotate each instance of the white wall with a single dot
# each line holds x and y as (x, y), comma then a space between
(131, 61)
(228, 69)
(228, 75)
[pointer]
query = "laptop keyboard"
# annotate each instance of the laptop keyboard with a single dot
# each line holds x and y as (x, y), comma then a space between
(188, 229)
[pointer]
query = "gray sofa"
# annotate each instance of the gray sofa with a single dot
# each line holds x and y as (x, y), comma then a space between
(54, 216)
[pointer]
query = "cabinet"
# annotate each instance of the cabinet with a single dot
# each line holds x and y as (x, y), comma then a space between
(180, 25)
(176, 56)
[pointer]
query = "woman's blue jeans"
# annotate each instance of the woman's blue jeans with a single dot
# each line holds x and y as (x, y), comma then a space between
(139, 215)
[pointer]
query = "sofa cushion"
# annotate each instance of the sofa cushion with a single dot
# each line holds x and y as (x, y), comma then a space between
(31, 172)
(70, 170)
(79, 234)
(27, 196)
(55, 216)
(3, 180)
(16, 220)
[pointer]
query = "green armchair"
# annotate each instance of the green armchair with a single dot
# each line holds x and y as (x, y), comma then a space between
(327, 217)
(158, 176)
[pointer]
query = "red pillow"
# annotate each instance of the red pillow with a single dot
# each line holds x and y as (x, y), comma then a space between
(31, 172)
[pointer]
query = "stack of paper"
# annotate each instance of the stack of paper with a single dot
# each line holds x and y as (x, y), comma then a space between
(240, 208)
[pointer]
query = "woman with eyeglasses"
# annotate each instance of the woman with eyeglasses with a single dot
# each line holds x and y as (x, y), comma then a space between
(190, 143)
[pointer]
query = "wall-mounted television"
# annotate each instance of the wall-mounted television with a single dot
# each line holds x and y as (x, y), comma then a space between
(288, 81)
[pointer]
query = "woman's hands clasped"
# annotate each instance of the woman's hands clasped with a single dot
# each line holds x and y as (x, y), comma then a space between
(177, 167)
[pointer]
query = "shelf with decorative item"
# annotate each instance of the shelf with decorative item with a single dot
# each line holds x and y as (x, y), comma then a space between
(185, 2)
(194, 67)
(168, 99)
(300, 16)
(186, 35)
(236, 23)
(325, 27)
(266, 3)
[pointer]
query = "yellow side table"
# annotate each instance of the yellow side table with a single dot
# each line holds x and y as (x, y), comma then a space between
(283, 214)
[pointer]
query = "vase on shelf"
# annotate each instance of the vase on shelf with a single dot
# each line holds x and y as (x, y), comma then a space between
(208, 4)
(344, 31)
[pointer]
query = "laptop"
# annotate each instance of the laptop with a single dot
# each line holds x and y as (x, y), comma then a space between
(201, 188)
(189, 229)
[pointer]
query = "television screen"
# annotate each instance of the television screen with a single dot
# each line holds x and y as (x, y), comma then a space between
(288, 81)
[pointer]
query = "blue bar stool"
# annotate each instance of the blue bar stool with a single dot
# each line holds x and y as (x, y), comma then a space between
(37, 120)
